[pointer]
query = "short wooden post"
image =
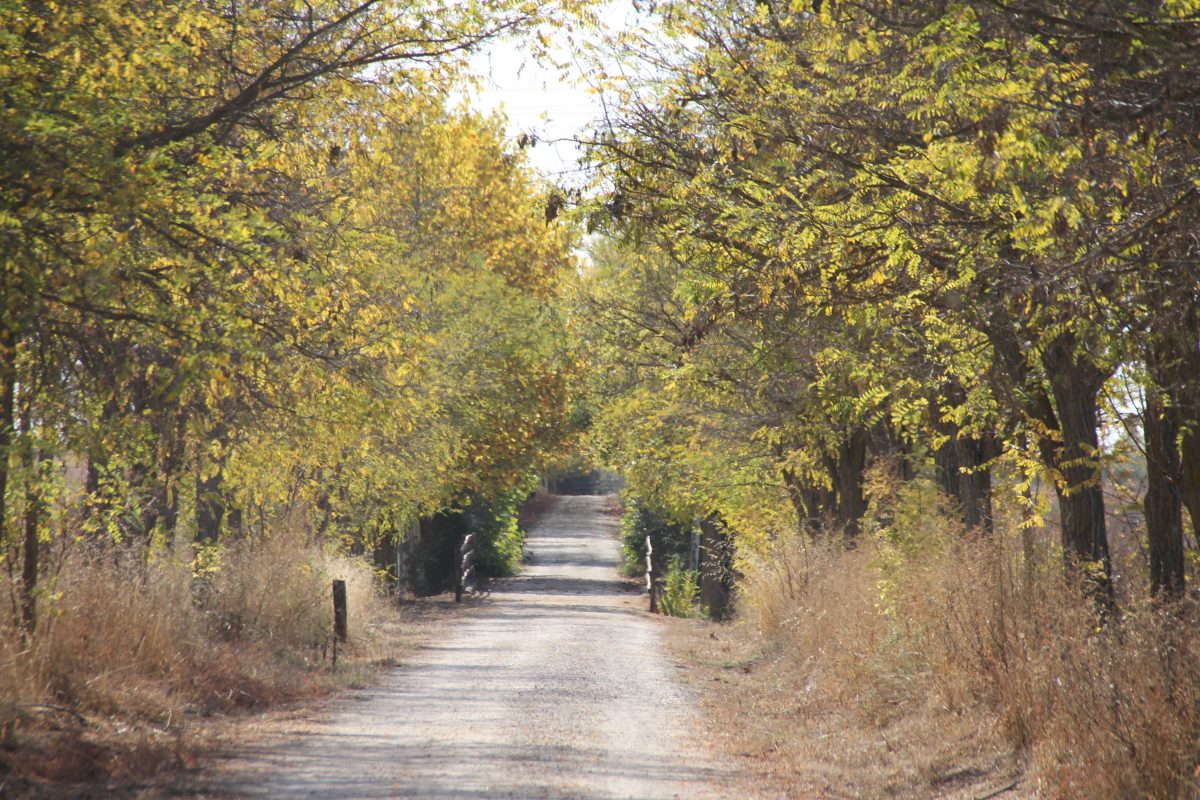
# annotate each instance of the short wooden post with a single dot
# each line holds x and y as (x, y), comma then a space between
(339, 611)
(465, 568)
(650, 577)
(458, 581)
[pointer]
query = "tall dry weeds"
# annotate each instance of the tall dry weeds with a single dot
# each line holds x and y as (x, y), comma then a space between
(122, 638)
(922, 615)
(1102, 708)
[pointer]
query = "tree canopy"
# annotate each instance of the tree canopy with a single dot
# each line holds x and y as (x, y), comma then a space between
(259, 266)
(923, 231)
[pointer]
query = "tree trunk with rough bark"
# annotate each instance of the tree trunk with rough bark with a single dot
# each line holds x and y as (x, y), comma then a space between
(8, 381)
(846, 470)
(813, 506)
(210, 502)
(31, 555)
(1163, 504)
(961, 474)
(1075, 386)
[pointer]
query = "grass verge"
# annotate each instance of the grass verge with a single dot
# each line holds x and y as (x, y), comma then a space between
(134, 665)
(931, 663)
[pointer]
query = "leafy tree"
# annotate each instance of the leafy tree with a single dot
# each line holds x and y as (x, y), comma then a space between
(198, 296)
(868, 166)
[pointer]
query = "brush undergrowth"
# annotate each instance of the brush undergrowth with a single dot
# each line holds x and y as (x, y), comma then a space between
(923, 615)
(680, 592)
(156, 643)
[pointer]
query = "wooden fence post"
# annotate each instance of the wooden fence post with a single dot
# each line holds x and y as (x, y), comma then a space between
(339, 611)
(464, 573)
(651, 577)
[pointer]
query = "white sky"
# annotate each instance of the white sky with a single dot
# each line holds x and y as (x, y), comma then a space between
(555, 105)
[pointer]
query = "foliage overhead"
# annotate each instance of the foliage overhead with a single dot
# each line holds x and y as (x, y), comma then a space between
(259, 269)
(930, 232)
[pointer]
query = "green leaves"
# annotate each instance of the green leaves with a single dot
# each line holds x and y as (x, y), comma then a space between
(905, 218)
(248, 256)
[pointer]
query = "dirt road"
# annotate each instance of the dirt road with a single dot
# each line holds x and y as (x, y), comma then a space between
(558, 687)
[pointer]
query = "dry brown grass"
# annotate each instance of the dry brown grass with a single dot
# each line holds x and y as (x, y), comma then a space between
(931, 663)
(1100, 710)
(127, 654)
(827, 697)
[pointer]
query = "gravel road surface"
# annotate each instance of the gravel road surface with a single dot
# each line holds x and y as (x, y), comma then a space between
(559, 687)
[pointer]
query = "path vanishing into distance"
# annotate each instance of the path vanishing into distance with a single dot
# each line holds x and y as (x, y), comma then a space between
(558, 687)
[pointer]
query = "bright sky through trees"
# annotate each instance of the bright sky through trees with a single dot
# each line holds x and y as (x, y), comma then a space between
(554, 101)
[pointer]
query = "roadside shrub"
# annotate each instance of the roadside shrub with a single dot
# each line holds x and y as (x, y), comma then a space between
(924, 619)
(817, 605)
(909, 522)
(267, 591)
(276, 591)
(642, 519)
(501, 546)
(115, 637)
(121, 636)
(680, 592)
(1101, 710)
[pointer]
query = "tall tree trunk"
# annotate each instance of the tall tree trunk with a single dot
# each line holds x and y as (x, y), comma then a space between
(1162, 503)
(32, 551)
(145, 480)
(959, 464)
(1172, 436)
(31, 547)
(885, 441)
(1177, 373)
(235, 521)
(215, 514)
(171, 470)
(210, 509)
(812, 505)
(99, 501)
(158, 475)
(1173, 360)
(144, 486)
(385, 555)
(716, 567)
(210, 502)
(846, 470)
(1070, 409)
(961, 474)
(976, 485)
(1189, 471)
(8, 381)
(1075, 386)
